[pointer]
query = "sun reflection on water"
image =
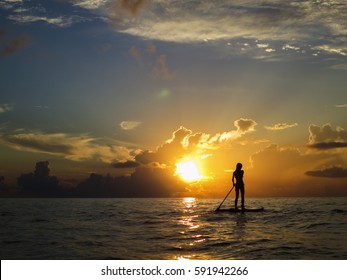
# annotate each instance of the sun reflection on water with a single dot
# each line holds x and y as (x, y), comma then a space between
(191, 227)
(189, 202)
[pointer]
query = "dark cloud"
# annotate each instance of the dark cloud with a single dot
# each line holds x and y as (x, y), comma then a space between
(134, 7)
(16, 44)
(333, 172)
(169, 152)
(328, 145)
(325, 137)
(126, 164)
(326, 134)
(39, 183)
(245, 125)
(153, 180)
(120, 11)
(32, 142)
(146, 181)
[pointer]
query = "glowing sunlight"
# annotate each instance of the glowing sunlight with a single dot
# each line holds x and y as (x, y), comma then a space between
(188, 170)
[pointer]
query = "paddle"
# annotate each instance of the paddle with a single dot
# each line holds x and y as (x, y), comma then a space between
(224, 198)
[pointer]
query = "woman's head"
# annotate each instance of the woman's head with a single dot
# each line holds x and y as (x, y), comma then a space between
(238, 166)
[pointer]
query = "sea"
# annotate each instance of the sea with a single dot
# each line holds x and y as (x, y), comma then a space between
(171, 229)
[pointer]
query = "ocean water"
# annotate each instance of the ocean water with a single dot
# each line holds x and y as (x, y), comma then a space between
(180, 228)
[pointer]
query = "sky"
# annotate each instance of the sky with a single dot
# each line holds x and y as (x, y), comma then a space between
(168, 96)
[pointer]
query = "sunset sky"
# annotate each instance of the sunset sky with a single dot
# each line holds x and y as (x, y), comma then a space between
(148, 88)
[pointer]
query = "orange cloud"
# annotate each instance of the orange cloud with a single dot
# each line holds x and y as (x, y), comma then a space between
(185, 143)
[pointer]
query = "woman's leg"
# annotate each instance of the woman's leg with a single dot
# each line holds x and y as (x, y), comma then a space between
(243, 197)
(236, 195)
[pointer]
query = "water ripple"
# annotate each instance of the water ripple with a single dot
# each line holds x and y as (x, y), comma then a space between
(172, 229)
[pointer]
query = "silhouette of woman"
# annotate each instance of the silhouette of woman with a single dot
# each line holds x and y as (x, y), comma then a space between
(239, 185)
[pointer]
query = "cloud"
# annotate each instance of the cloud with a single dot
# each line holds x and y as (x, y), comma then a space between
(39, 183)
(158, 63)
(332, 172)
(245, 125)
(306, 27)
(161, 69)
(314, 28)
(123, 11)
(145, 181)
(242, 125)
(90, 4)
(5, 108)
(290, 47)
(341, 106)
(198, 21)
(184, 143)
(16, 44)
(328, 145)
(273, 20)
(331, 50)
(10, 4)
(169, 152)
(129, 125)
(76, 148)
(326, 137)
(61, 21)
(263, 46)
(133, 6)
(125, 164)
(281, 126)
(26, 12)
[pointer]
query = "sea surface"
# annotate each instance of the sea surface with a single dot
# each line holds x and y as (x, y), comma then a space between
(180, 228)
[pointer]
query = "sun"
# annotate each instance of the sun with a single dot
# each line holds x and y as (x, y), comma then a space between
(188, 170)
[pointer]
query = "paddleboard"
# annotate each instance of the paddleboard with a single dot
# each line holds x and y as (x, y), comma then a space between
(251, 209)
